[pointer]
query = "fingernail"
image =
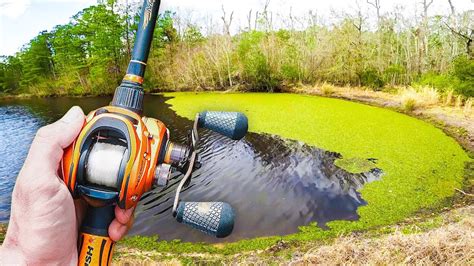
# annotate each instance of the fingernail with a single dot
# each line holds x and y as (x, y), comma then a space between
(73, 114)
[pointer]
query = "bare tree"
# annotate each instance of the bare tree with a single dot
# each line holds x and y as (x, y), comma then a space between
(426, 5)
(451, 6)
(423, 33)
(256, 20)
(313, 18)
(358, 21)
(376, 5)
(267, 16)
(453, 25)
(292, 19)
(227, 21)
(249, 20)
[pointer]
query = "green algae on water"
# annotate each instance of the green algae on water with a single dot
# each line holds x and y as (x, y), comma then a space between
(422, 166)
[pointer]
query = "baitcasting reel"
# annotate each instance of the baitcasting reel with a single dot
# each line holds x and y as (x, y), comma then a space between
(119, 155)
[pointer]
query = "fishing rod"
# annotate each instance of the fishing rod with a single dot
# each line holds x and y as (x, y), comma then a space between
(119, 155)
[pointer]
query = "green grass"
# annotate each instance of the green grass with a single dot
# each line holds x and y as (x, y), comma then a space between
(422, 166)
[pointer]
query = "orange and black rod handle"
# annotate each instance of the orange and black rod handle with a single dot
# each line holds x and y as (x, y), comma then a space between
(95, 246)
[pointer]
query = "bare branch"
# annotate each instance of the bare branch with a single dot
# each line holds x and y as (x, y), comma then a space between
(376, 5)
(227, 23)
(453, 11)
(249, 20)
(465, 36)
(426, 5)
(429, 4)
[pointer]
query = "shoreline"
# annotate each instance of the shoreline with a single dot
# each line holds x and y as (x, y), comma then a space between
(450, 119)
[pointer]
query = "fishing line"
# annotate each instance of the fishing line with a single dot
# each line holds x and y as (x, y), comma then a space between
(103, 164)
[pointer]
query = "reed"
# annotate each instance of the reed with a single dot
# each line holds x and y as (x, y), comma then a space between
(411, 98)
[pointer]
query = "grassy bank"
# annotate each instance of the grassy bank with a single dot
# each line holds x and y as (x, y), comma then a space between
(427, 238)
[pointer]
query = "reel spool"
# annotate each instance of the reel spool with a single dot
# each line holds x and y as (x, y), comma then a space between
(103, 164)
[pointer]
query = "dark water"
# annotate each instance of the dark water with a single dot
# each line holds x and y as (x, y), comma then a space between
(275, 185)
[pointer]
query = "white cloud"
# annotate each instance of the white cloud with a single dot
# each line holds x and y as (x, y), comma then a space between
(13, 8)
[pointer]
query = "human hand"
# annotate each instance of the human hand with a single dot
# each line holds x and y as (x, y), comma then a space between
(45, 219)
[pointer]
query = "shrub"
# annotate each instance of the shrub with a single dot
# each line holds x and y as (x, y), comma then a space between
(458, 103)
(256, 72)
(461, 79)
(449, 98)
(371, 78)
(409, 105)
(464, 71)
(327, 89)
(393, 74)
(443, 82)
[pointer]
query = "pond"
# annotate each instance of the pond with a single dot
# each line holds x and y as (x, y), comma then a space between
(274, 184)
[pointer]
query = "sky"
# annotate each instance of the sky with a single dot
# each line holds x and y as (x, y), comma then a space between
(22, 20)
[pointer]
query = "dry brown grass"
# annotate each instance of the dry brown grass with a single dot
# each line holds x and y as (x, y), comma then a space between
(452, 244)
(411, 98)
(468, 106)
(449, 98)
(458, 102)
(327, 89)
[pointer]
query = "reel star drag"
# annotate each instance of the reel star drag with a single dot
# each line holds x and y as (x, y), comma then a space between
(120, 155)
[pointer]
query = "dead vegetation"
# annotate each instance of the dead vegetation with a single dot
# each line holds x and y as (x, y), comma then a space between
(452, 244)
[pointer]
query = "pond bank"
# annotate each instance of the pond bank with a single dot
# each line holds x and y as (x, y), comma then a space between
(429, 238)
(432, 238)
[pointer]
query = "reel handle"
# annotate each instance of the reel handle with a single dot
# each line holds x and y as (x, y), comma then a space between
(233, 125)
(95, 246)
(213, 218)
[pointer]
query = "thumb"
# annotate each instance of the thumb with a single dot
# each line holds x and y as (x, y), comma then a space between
(47, 148)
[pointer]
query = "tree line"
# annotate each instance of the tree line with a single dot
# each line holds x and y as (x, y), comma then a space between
(89, 55)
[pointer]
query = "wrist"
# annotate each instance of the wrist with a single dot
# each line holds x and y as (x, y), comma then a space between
(11, 255)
